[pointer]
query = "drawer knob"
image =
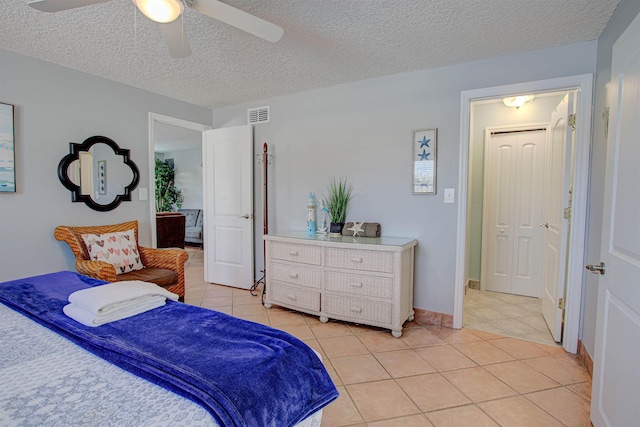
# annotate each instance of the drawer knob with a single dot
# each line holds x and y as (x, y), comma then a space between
(292, 297)
(358, 260)
(293, 275)
(356, 284)
(356, 309)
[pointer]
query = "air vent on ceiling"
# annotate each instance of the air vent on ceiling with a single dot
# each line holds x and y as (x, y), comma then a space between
(258, 115)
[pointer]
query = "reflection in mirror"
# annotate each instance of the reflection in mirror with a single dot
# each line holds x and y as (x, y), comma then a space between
(99, 173)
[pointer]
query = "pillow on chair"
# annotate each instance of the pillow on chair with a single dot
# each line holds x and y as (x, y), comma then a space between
(118, 249)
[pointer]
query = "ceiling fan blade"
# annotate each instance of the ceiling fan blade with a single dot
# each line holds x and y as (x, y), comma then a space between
(60, 5)
(239, 19)
(176, 39)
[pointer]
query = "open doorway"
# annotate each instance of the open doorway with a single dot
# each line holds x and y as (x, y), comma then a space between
(509, 151)
(575, 256)
(180, 141)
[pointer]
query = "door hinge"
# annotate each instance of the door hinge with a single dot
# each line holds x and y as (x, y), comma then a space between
(567, 213)
(572, 121)
(561, 303)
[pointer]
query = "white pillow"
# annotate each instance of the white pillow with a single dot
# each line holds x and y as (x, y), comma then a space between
(118, 249)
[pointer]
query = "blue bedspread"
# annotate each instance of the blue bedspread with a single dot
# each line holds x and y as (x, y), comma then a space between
(243, 373)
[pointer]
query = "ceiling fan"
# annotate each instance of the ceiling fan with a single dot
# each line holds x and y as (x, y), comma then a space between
(167, 12)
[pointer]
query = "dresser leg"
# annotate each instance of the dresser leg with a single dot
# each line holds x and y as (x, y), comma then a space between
(324, 319)
(396, 334)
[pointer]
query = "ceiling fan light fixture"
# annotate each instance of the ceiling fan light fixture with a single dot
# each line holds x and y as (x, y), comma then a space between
(517, 101)
(162, 11)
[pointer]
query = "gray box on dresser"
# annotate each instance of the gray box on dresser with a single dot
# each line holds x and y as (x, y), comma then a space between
(356, 279)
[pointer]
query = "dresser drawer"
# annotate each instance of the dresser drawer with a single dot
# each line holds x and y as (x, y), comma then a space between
(296, 274)
(359, 260)
(357, 284)
(357, 309)
(305, 254)
(290, 296)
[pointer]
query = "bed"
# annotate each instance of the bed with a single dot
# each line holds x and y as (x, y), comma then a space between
(176, 365)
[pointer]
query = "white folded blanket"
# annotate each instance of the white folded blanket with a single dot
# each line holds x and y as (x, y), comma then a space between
(114, 301)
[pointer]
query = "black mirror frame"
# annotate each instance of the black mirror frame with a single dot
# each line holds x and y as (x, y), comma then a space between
(74, 154)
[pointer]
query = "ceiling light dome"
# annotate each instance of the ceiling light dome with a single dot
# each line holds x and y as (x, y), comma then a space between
(517, 101)
(162, 11)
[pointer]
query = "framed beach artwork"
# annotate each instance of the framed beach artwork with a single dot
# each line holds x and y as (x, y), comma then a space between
(425, 144)
(7, 149)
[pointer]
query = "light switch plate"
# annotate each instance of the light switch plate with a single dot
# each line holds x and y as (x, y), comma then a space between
(143, 194)
(449, 195)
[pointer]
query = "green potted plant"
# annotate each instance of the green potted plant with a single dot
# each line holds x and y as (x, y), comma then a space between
(168, 196)
(339, 193)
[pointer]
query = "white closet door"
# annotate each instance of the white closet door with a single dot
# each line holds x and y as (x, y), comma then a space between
(514, 167)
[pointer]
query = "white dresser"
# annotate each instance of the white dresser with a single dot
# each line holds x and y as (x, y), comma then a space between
(362, 280)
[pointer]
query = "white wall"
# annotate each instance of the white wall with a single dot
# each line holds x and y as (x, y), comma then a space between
(188, 168)
(363, 130)
(55, 106)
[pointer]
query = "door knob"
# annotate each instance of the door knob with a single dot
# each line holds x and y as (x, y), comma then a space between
(596, 269)
(246, 216)
(545, 225)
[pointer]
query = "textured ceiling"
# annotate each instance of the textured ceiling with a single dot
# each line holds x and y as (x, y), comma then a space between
(325, 42)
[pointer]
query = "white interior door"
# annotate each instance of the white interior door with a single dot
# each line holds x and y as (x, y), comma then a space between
(554, 225)
(514, 164)
(616, 377)
(227, 155)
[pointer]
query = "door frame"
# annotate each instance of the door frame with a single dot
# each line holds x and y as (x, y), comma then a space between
(583, 84)
(155, 118)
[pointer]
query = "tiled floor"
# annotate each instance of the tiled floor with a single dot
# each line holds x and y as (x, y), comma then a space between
(505, 314)
(431, 376)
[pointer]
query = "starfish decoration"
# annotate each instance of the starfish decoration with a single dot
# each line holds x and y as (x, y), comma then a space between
(424, 142)
(357, 228)
(424, 155)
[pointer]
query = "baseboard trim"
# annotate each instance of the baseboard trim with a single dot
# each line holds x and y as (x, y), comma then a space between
(433, 318)
(585, 358)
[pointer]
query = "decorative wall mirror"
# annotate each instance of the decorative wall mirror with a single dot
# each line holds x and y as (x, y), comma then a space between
(99, 173)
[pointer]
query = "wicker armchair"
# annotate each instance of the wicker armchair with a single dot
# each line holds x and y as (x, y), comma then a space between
(164, 267)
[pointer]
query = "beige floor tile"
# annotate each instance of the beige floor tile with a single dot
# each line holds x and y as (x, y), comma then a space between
(251, 309)
(217, 301)
(568, 407)
(521, 377)
(279, 318)
(417, 420)
(432, 392)
(520, 349)
(583, 389)
(403, 363)
(302, 332)
(518, 412)
(445, 357)
(463, 416)
(478, 384)
(483, 352)
(342, 346)
(420, 337)
(378, 341)
(217, 291)
(564, 369)
(381, 400)
(455, 336)
(359, 369)
(330, 329)
(341, 412)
